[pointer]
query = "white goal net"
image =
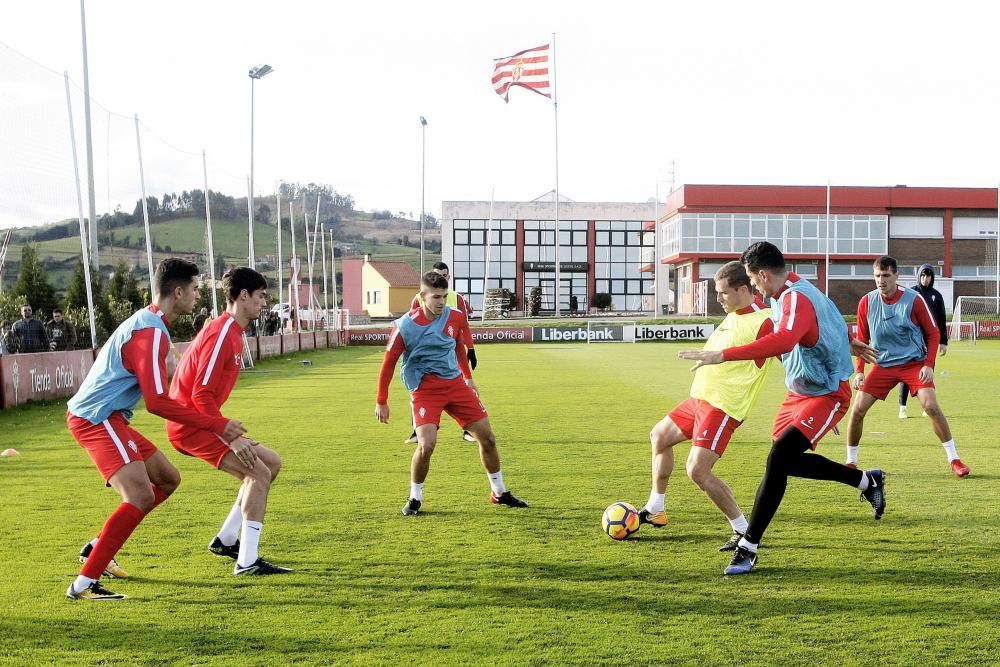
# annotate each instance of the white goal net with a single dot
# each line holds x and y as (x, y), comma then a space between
(975, 317)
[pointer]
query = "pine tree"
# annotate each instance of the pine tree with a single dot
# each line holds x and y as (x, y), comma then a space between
(124, 286)
(76, 294)
(33, 282)
(76, 300)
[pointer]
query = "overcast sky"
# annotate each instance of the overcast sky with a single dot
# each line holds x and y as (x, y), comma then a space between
(861, 93)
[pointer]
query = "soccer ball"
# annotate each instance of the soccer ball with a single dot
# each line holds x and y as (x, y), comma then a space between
(620, 521)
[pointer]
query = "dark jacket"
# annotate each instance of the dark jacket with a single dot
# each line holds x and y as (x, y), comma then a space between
(30, 336)
(934, 301)
(62, 335)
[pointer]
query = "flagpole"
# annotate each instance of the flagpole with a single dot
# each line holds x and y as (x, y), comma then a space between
(281, 262)
(84, 254)
(555, 112)
(486, 278)
(826, 269)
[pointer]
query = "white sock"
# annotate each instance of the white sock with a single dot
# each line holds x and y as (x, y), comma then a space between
(249, 543)
(852, 454)
(496, 482)
(656, 502)
(417, 491)
(739, 524)
(949, 449)
(80, 583)
(748, 545)
(230, 530)
(863, 486)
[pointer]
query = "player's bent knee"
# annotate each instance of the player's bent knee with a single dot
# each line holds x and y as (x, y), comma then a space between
(699, 472)
(260, 474)
(170, 481)
(140, 496)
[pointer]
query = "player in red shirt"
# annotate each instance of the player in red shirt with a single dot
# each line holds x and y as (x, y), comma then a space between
(436, 373)
(132, 365)
(203, 381)
(907, 351)
(459, 302)
(812, 337)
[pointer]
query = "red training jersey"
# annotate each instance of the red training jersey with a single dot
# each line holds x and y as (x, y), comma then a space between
(920, 315)
(145, 357)
(457, 327)
(208, 371)
(797, 326)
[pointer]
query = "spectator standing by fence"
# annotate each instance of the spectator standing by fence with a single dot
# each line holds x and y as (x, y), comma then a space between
(61, 334)
(29, 333)
(6, 339)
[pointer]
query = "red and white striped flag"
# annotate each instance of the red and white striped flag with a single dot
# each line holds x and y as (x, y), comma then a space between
(528, 69)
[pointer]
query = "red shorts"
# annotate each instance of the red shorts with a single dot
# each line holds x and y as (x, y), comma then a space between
(435, 395)
(880, 381)
(704, 424)
(111, 444)
(205, 445)
(813, 416)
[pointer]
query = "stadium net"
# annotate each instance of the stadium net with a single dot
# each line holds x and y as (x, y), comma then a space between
(975, 317)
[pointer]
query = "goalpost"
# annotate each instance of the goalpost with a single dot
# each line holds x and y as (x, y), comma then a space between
(975, 317)
(610, 331)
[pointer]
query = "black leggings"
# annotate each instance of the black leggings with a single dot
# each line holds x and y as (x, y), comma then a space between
(904, 393)
(790, 456)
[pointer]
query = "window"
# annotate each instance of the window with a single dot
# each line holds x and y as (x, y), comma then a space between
(853, 271)
(805, 270)
(730, 233)
(973, 228)
(373, 297)
(912, 226)
(470, 250)
(618, 256)
(980, 272)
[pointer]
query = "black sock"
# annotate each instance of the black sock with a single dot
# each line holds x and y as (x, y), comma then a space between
(789, 457)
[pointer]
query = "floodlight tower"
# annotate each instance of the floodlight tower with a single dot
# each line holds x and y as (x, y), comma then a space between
(255, 73)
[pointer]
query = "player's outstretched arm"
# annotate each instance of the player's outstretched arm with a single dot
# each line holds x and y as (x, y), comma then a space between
(703, 357)
(145, 356)
(864, 352)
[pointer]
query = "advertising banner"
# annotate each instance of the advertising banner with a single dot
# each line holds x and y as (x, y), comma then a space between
(610, 333)
(368, 336)
(269, 346)
(502, 335)
(43, 376)
(669, 332)
(988, 329)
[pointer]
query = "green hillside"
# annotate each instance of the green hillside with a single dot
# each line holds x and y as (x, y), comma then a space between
(188, 237)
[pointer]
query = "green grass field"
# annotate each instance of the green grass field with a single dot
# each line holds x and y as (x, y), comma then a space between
(470, 583)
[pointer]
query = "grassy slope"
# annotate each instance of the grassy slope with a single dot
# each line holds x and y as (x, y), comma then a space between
(189, 236)
(467, 582)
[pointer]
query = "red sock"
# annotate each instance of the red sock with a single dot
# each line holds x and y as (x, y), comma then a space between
(116, 530)
(158, 497)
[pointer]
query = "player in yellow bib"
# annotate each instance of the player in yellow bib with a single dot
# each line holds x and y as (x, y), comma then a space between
(721, 397)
